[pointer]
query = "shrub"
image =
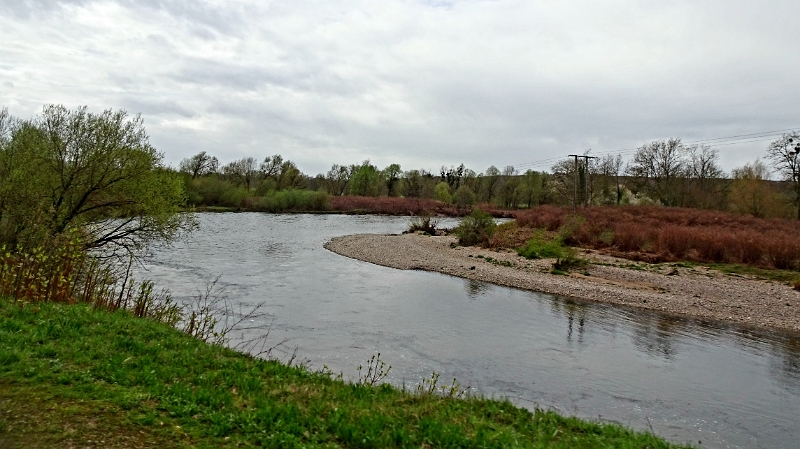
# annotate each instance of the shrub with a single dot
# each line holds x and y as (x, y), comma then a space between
(540, 246)
(424, 223)
(475, 229)
(464, 197)
(658, 234)
(291, 201)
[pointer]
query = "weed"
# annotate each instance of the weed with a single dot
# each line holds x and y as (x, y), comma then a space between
(376, 371)
(431, 386)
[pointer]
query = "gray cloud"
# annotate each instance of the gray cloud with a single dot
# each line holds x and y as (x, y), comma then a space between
(423, 83)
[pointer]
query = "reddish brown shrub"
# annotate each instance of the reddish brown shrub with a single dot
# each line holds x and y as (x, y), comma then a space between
(661, 233)
(407, 206)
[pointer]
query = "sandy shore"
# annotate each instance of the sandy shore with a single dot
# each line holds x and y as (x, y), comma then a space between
(695, 292)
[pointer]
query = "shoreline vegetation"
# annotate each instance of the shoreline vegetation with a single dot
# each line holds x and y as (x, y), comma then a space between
(91, 357)
(684, 282)
(75, 375)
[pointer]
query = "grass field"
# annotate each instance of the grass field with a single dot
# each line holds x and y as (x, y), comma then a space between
(74, 376)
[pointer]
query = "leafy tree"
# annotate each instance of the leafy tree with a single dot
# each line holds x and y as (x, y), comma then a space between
(201, 164)
(392, 176)
(752, 194)
(785, 156)
(442, 193)
(366, 180)
(464, 197)
(412, 184)
(533, 184)
(510, 187)
(96, 174)
(490, 179)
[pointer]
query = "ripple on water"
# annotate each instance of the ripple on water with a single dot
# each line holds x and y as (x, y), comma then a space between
(689, 380)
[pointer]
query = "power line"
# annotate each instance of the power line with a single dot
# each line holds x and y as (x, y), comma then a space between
(712, 142)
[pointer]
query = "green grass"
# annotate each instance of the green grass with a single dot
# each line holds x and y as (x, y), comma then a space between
(75, 376)
(772, 274)
(540, 246)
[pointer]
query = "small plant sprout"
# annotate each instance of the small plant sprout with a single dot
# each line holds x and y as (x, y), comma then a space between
(376, 371)
(431, 386)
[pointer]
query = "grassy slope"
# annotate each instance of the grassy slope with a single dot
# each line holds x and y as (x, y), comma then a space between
(73, 376)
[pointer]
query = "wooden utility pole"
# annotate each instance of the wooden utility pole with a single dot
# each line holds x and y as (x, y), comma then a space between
(575, 191)
(585, 181)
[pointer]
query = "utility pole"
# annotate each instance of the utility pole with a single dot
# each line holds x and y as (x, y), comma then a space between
(585, 181)
(575, 191)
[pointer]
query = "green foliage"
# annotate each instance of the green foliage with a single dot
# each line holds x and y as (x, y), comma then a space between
(290, 201)
(141, 384)
(442, 193)
(96, 173)
(476, 228)
(366, 180)
(540, 246)
(464, 197)
(64, 272)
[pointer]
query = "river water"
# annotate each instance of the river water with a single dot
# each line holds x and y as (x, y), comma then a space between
(707, 384)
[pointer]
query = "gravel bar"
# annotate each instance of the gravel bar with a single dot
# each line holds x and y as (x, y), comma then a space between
(695, 292)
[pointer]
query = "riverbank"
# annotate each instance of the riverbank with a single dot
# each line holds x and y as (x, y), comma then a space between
(696, 292)
(75, 376)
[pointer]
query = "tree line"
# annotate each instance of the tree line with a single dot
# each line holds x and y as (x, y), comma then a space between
(663, 172)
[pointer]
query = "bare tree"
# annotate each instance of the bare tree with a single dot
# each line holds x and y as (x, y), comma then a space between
(337, 179)
(705, 174)
(271, 167)
(245, 171)
(660, 169)
(785, 156)
(610, 167)
(200, 164)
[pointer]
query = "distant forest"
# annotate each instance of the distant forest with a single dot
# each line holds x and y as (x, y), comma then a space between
(662, 172)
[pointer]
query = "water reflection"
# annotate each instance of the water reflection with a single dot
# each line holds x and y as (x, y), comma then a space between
(726, 386)
(655, 335)
(475, 289)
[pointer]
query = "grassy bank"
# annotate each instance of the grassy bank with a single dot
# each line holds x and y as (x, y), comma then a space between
(71, 375)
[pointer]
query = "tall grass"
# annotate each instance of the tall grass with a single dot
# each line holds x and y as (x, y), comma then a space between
(659, 234)
(64, 272)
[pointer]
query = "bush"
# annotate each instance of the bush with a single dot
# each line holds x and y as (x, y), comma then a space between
(424, 223)
(542, 247)
(661, 234)
(475, 229)
(290, 201)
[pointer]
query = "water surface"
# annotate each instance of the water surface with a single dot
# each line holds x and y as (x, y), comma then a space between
(724, 386)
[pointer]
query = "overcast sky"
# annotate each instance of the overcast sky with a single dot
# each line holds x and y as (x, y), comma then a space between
(415, 82)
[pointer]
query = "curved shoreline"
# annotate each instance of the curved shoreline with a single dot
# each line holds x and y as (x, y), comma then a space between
(692, 292)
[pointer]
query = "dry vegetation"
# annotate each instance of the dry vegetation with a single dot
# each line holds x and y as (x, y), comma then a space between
(406, 206)
(659, 234)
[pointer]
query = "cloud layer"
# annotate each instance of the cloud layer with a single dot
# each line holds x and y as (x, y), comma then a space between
(420, 83)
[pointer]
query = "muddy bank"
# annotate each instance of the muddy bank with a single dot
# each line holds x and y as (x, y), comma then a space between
(695, 292)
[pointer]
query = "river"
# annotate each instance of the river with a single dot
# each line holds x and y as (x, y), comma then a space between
(708, 384)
